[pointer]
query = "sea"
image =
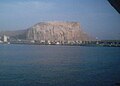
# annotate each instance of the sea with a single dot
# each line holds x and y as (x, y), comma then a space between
(56, 65)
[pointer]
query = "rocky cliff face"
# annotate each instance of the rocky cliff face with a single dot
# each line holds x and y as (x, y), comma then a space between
(57, 31)
(50, 31)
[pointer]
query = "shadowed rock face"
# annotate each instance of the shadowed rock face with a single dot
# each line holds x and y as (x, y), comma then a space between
(57, 31)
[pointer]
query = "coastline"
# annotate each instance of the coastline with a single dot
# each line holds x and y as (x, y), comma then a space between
(85, 43)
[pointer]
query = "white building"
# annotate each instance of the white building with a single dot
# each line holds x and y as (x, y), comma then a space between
(5, 38)
(49, 42)
(57, 42)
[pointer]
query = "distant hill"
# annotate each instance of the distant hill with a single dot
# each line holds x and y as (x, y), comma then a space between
(53, 31)
(18, 34)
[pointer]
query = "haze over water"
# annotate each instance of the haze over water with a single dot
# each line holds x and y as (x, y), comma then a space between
(34, 65)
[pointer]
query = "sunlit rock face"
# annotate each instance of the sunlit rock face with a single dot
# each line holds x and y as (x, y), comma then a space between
(50, 31)
(57, 31)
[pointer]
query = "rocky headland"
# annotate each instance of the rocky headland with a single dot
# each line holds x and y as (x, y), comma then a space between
(52, 31)
(57, 31)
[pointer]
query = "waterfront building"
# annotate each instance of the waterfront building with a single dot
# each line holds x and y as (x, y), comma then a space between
(5, 38)
(57, 43)
(32, 41)
(49, 42)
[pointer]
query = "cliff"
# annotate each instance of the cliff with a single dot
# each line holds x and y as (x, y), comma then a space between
(52, 31)
(57, 31)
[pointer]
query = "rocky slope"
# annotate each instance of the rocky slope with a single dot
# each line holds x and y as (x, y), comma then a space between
(57, 31)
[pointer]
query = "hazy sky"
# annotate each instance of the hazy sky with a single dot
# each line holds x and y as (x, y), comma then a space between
(96, 17)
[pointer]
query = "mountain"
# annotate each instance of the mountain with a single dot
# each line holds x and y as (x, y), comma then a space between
(53, 31)
(57, 31)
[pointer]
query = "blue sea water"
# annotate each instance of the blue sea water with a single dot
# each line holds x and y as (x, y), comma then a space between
(49, 65)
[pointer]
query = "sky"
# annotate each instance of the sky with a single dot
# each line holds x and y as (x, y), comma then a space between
(96, 17)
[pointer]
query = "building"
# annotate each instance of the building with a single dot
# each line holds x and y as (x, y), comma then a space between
(5, 38)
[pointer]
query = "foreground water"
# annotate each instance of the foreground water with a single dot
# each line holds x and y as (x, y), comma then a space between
(34, 65)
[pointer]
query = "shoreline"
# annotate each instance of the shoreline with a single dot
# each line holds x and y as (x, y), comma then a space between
(86, 45)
